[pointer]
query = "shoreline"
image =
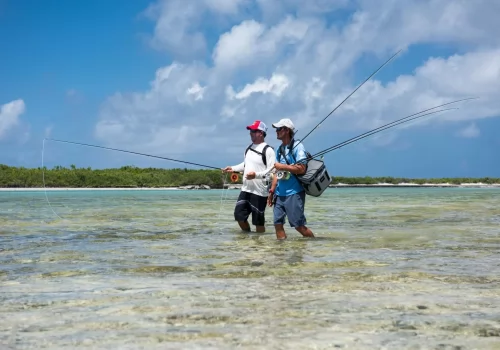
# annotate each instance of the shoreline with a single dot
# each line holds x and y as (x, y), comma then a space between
(238, 187)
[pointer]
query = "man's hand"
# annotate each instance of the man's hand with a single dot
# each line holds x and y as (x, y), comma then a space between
(250, 175)
(227, 169)
(270, 198)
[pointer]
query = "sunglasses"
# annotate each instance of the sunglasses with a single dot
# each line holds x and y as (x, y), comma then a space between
(280, 128)
(254, 131)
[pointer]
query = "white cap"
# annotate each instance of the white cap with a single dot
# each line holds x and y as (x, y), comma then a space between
(287, 123)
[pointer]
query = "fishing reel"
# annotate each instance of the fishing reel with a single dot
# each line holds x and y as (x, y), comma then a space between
(282, 175)
(234, 177)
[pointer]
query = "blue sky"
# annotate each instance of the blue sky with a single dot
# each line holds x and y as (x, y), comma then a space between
(182, 79)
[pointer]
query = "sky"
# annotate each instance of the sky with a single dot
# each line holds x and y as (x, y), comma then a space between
(183, 78)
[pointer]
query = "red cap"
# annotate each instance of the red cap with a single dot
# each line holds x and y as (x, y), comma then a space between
(257, 125)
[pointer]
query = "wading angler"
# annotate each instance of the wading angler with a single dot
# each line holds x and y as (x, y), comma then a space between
(258, 161)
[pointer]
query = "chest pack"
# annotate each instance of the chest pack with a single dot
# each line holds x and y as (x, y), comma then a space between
(316, 178)
(263, 153)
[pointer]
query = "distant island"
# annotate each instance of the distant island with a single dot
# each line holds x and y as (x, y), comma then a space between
(132, 177)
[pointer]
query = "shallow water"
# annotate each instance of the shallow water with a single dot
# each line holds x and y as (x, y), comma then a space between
(389, 269)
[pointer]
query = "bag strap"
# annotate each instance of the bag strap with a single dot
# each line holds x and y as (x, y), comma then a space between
(263, 153)
(290, 147)
(282, 153)
(290, 151)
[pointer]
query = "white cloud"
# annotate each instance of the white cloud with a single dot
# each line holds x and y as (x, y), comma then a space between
(9, 115)
(275, 10)
(251, 43)
(276, 86)
(437, 81)
(236, 101)
(176, 27)
(470, 131)
(237, 46)
(410, 22)
(179, 24)
(164, 119)
(300, 59)
(196, 90)
(225, 6)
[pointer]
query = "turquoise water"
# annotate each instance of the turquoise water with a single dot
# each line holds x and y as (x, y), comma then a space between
(391, 268)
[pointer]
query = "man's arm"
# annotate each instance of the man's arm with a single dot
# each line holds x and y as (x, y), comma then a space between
(236, 168)
(299, 167)
(270, 196)
(239, 167)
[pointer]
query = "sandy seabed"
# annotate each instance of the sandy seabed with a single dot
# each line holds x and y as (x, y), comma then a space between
(389, 269)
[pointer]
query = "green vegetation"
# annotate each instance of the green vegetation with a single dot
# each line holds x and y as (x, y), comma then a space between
(127, 176)
(130, 176)
(397, 180)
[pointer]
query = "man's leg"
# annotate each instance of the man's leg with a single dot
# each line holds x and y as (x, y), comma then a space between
(260, 229)
(258, 206)
(244, 225)
(279, 218)
(280, 231)
(305, 231)
(296, 216)
(242, 211)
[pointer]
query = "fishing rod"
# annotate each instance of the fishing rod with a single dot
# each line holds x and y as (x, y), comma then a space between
(389, 125)
(352, 93)
(372, 132)
(125, 151)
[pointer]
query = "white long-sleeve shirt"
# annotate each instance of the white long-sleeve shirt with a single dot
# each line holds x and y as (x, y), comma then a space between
(253, 162)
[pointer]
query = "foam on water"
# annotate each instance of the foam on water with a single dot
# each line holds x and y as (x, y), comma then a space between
(390, 269)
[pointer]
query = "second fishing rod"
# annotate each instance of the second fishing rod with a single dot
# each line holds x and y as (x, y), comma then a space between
(392, 124)
(403, 120)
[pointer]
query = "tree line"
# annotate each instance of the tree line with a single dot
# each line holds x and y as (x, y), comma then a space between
(132, 177)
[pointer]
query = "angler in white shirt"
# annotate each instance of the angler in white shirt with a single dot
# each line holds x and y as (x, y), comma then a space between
(259, 158)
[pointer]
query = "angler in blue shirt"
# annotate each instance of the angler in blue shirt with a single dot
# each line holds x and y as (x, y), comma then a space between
(287, 193)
